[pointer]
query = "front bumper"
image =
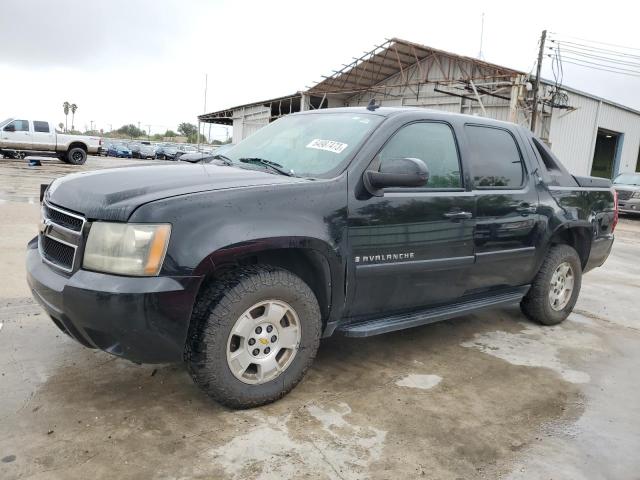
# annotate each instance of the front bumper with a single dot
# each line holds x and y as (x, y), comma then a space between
(142, 319)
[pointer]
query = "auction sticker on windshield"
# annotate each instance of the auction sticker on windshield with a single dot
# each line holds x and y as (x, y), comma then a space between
(328, 145)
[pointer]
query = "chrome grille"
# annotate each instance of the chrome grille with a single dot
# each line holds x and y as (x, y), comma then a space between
(58, 253)
(59, 217)
(624, 194)
(60, 237)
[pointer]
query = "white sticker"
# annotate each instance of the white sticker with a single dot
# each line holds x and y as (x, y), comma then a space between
(328, 145)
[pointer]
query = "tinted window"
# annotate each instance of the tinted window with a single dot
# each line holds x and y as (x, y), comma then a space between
(20, 125)
(434, 144)
(42, 127)
(495, 158)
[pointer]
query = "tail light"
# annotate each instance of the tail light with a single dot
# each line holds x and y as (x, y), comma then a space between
(616, 214)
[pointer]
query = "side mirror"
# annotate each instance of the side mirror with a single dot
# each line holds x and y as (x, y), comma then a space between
(398, 172)
(10, 128)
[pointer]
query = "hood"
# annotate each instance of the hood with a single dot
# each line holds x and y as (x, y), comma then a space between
(114, 194)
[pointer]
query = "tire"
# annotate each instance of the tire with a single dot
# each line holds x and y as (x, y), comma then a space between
(76, 156)
(541, 303)
(222, 307)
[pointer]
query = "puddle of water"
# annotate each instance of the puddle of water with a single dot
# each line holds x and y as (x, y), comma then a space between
(537, 347)
(339, 449)
(423, 382)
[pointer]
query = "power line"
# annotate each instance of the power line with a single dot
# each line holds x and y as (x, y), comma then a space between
(592, 49)
(601, 64)
(596, 42)
(596, 57)
(564, 60)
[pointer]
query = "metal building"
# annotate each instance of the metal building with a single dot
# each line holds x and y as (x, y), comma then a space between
(591, 135)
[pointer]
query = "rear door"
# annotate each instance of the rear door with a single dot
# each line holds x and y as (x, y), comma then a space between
(507, 226)
(43, 137)
(16, 135)
(413, 247)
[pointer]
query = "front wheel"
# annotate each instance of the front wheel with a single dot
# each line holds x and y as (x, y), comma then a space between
(254, 335)
(555, 289)
(76, 156)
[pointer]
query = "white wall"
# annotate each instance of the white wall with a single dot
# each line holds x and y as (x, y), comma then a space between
(573, 133)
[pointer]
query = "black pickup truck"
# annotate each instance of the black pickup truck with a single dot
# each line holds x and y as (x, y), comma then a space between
(352, 221)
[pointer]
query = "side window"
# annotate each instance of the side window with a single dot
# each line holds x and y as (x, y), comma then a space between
(495, 158)
(434, 144)
(42, 127)
(18, 126)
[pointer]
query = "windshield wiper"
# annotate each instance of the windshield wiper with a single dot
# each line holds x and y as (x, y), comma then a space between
(226, 160)
(269, 164)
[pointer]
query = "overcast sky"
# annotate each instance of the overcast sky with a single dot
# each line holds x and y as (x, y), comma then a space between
(130, 61)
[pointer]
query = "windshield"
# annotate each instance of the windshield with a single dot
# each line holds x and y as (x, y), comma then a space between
(627, 179)
(4, 122)
(315, 145)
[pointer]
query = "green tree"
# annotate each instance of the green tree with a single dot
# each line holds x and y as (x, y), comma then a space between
(187, 129)
(170, 133)
(73, 107)
(131, 131)
(61, 125)
(65, 109)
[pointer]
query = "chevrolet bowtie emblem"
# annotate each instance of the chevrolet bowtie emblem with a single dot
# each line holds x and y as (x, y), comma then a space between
(264, 341)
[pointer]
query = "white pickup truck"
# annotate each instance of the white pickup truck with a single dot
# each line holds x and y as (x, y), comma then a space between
(41, 138)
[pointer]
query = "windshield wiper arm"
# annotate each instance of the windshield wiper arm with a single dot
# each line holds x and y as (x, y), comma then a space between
(268, 163)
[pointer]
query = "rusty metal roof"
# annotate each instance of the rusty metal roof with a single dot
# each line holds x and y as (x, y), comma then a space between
(394, 57)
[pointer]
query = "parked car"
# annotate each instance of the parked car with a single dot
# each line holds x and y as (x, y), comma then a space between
(169, 152)
(147, 151)
(41, 138)
(104, 148)
(160, 151)
(119, 150)
(627, 186)
(206, 156)
(352, 221)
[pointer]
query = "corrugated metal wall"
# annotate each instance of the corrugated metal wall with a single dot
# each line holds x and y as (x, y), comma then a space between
(623, 121)
(573, 133)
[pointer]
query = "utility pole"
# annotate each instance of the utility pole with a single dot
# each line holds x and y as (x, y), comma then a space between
(91, 125)
(481, 37)
(536, 84)
(148, 132)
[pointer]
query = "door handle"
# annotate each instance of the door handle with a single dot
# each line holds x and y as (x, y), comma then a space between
(525, 208)
(458, 215)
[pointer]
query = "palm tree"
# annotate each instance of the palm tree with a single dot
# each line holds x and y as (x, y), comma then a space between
(61, 125)
(74, 107)
(65, 108)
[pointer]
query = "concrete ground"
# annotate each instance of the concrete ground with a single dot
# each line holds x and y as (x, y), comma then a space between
(482, 396)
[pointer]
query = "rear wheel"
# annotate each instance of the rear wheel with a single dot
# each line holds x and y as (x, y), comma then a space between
(76, 156)
(254, 335)
(555, 289)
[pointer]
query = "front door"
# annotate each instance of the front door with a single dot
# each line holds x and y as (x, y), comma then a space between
(16, 135)
(413, 247)
(507, 220)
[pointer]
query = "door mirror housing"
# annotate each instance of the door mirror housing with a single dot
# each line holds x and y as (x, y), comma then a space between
(10, 128)
(398, 172)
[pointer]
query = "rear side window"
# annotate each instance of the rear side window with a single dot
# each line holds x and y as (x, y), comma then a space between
(495, 158)
(434, 144)
(42, 127)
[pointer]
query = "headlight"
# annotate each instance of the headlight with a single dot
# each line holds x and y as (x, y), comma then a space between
(126, 248)
(635, 195)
